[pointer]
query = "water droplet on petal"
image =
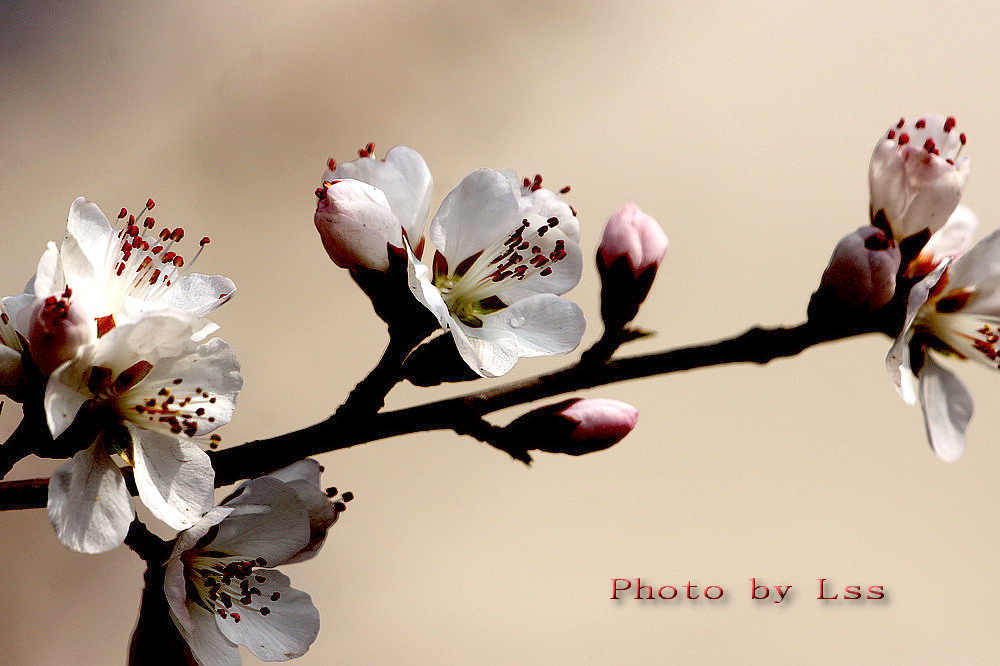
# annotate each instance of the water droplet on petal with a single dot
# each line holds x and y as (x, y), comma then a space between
(516, 321)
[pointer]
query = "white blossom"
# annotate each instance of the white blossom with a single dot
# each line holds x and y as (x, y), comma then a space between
(503, 252)
(917, 175)
(151, 390)
(954, 311)
(219, 583)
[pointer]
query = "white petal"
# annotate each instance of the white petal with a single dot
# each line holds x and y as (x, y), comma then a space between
(304, 478)
(947, 409)
(564, 275)
(979, 264)
(19, 308)
(65, 394)
(157, 335)
(199, 294)
(268, 520)
(481, 211)
(897, 361)
(543, 325)
(490, 352)
(404, 179)
(174, 477)
(89, 505)
(210, 368)
(286, 632)
(418, 279)
(175, 579)
(88, 234)
(208, 645)
(49, 276)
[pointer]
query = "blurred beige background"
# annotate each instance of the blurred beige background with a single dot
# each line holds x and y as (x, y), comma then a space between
(744, 127)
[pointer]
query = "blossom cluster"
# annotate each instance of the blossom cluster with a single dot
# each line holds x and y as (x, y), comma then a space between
(917, 259)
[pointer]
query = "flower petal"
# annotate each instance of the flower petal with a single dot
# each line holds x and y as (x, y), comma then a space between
(88, 235)
(304, 478)
(208, 645)
(482, 210)
(89, 505)
(491, 353)
(64, 397)
(543, 325)
(268, 520)
(174, 477)
(285, 632)
(897, 361)
(199, 294)
(174, 579)
(10, 367)
(947, 407)
(404, 179)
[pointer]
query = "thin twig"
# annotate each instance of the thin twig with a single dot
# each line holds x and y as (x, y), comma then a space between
(256, 458)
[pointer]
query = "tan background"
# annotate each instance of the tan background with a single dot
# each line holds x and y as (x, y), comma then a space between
(745, 127)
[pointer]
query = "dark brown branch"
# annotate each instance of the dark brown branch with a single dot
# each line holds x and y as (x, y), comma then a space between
(463, 413)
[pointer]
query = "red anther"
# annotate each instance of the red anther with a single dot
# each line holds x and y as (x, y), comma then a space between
(949, 123)
(204, 241)
(961, 138)
(904, 139)
(951, 162)
(155, 276)
(120, 270)
(900, 124)
(133, 231)
(168, 257)
(50, 301)
(131, 219)
(526, 182)
(164, 234)
(331, 164)
(158, 249)
(920, 124)
(929, 145)
(321, 193)
(370, 147)
(122, 213)
(67, 292)
(178, 261)
(564, 190)
(891, 135)
(177, 234)
(150, 204)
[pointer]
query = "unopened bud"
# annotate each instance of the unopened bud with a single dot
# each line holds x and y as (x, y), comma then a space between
(627, 259)
(862, 271)
(57, 330)
(356, 225)
(575, 427)
(916, 175)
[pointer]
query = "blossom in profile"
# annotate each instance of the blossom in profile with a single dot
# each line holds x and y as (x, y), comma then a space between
(504, 251)
(112, 275)
(11, 370)
(151, 391)
(917, 175)
(575, 426)
(628, 257)
(219, 582)
(369, 204)
(954, 312)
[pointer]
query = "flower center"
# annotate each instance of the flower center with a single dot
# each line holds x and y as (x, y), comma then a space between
(475, 286)
(227, 585)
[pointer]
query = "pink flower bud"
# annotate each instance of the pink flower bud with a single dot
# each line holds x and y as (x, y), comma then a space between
(356, 224)
(862, 270)
(634, 235)
(627, 259)
(916, 176)
(57, 330)
(575, 427)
